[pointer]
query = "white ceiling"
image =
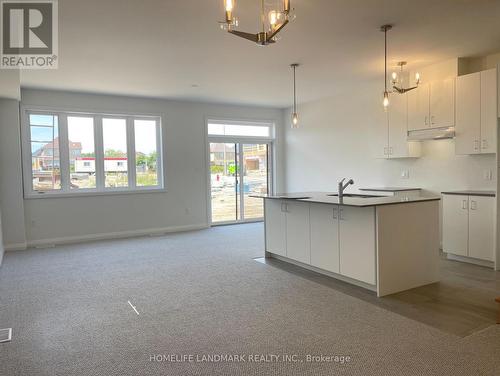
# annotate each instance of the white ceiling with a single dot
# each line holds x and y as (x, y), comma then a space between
(160, 48)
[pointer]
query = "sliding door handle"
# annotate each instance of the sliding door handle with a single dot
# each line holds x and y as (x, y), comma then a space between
(465, 204)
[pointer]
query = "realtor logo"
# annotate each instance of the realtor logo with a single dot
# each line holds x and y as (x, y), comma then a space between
(29, 34)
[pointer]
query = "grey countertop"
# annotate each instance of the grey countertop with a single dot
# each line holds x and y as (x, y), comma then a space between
(471, 193)
(390, 189)
(326, 198)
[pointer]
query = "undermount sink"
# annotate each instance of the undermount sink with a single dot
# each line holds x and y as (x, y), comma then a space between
(354, 195)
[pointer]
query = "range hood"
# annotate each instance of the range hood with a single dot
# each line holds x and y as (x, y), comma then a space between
(431, 134)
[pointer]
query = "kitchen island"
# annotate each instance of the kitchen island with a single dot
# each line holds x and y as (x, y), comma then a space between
(383, 243)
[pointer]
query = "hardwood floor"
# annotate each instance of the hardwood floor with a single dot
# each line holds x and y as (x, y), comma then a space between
(461, 304)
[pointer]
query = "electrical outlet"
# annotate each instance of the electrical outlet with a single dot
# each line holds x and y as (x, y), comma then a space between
(405, 174)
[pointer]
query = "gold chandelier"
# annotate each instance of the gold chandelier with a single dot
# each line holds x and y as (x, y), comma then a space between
(272, 22)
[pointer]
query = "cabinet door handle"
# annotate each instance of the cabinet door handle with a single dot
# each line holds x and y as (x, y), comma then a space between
(334, 213)
(476, 144)
(485, 144)
(425, 121)
(341, 216)
(464, 204)
(385, 151)
(432, 120)
(284, 207)
(390, 151)
(473, 205)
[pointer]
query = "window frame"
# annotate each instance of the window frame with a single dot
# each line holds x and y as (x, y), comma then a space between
(64, 153)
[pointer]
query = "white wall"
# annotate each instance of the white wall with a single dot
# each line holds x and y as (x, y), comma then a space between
(11, 201)
(184, 205)
(337, 137)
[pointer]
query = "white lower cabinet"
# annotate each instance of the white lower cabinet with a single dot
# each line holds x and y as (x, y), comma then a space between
(275, 224)
(297, 232)
(339, 239)
(357, 243)
(469, 226)
(456, 224)
(325, 237)
(481, 227)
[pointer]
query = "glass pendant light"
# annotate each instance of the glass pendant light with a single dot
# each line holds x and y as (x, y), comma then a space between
(295, 115)
(385, 101)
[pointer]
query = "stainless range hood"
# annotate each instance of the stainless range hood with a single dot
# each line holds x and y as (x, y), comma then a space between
(431, 134)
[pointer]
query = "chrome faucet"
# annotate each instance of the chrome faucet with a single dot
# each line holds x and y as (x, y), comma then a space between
(343, 186)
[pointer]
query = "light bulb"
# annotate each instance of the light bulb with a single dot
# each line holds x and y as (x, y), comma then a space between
(394, 76)
(386, 100)
(417, 77)
(295, 120)
(273, 18)
(229, 6)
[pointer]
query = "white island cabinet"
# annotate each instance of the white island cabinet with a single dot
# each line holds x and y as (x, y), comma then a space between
(389, 246)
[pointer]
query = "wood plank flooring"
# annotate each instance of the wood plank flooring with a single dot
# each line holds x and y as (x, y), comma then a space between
(461, 304)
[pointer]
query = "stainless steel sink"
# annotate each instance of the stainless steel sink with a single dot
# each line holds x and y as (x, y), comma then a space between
(354, 195)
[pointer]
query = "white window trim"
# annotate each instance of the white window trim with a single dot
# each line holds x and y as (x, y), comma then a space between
(66, 191)
(254, 123)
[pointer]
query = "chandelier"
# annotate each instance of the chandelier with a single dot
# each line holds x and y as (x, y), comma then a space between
(273, 20)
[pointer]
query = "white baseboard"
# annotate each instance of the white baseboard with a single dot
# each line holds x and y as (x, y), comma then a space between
(114, 235)
(489, 264)
(16, 246)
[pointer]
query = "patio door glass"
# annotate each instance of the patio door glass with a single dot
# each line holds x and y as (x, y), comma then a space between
(237, 170)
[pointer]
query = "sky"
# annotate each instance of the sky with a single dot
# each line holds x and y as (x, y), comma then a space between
(80, 129)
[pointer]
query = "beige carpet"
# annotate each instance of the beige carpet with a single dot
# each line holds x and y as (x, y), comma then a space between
(201, 294)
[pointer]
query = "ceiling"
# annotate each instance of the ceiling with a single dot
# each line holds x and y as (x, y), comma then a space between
(175, 49)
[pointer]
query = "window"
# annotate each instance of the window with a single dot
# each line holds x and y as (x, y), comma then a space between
(74, 153)
(239, 130)
(81, 144)
(45, 162)
(115, 152)
(146, 153)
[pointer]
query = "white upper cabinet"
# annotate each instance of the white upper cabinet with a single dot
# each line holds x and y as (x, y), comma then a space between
(489, 117)
(392, 133)
(432, 105)
(476, 113)
(418, 107)
(442, 103)
(399, 147)
(468, 126)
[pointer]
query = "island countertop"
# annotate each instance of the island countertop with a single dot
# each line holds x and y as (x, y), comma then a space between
(350, 199)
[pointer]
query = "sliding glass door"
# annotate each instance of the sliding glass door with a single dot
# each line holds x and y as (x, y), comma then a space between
(238, 170)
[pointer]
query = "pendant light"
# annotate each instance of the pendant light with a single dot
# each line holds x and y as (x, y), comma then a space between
(295, 115)
(385, 101)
